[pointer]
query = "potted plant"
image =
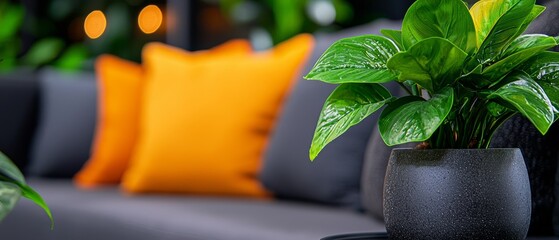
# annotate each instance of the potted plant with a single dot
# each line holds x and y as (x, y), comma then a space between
(13, 186)
(466, 71)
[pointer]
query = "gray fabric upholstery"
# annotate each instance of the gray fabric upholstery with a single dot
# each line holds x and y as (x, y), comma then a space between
(334, 176)
(66, 124)
(107, 214)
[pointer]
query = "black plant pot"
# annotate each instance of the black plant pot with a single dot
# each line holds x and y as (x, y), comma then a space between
(457, 194)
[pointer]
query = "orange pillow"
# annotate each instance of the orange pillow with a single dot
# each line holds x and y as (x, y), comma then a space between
(121, 86)
(205, 122)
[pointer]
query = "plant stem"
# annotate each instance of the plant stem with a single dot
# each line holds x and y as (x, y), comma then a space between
(405, 88)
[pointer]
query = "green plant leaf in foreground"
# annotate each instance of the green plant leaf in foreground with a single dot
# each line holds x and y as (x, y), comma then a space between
(395, 35)
(9, 195)
(414, 119)
(348, 105)
(432, 63)
(357, 59)
(10, 174)
(528, 98)
(536, 11)
(497, 23)
(520, 50)
(449, 19)
(544, 68)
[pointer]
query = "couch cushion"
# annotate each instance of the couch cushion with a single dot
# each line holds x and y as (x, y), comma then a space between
(106, 214)
(66, 123)
(19, 99)
(205, 122)
(334, 176)
(120, 89)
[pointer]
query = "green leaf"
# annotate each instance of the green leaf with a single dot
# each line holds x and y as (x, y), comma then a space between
(9, 173)
(520, 50)
(495, 109)
(432, 63)
(11, 18)
(544, 67)
(449, 19)
(528, 98)
(497, 23)
(413, 119)
(536, 11)
(9, 195)
(395, 35)
(9, 170)
(73, 58)
(552, 92)
(31, 194)
(359, 59)
(348, 105)
(43, 52)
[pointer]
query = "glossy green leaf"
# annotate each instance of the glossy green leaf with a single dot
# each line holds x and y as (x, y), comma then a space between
(43, 51)
(528, 98)
(497, 23)
(520, 50)
(536, 11)
(10, 173)
(448, 19)
(348, 105)
(359, 59)
(495, 109)
(395, 35)
(543, 67)
(9, 195)
(432, 63)
(9, 170)
(413, 119)
(31, 194)
(552, 92)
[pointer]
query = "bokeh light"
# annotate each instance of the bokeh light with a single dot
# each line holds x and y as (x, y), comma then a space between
(150, 19)
(95, 24)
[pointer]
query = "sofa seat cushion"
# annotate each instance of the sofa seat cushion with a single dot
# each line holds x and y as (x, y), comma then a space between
(107, 214)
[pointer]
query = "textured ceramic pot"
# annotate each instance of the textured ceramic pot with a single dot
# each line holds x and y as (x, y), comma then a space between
(457, 194)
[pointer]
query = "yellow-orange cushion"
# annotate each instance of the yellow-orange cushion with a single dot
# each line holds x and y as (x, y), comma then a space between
(120, 84)
(205, 122)
(120, 96)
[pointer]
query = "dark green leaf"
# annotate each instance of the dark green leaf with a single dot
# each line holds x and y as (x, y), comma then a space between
(552, 92)
(9, 170)
(348, 105)
(432, 63)
(497, 24)
(449, 19)
(495, 109)
(31, 194)
(9, 173)
(544, 67)
(43, 51)
(520, 50)
(11, 18)
(536, 11)
(413, 119)
(528, 98)
(9, 195)
(359, 59)
(395, 35)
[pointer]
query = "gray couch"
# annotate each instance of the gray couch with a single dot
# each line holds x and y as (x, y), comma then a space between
(312, 200)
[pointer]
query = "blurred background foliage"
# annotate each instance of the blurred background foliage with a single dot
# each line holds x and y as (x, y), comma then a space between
(37, 33)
